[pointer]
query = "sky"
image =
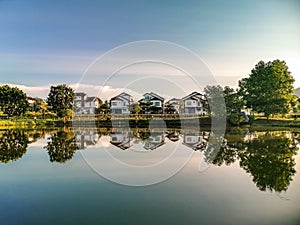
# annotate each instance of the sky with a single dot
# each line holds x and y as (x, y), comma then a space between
(45, 43)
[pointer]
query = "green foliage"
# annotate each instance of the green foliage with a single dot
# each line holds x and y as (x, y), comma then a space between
(13, 145)
(170, 109)
(60, 98)
(268, 157)
(103, 108)
(269, 89)
(233, 101)
(215, 97)
(61, 146)
(13, 101)
(136, 108)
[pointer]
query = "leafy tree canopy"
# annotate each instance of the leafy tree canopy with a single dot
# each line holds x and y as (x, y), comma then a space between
(60, 98)
(13, 101)
(269, 88)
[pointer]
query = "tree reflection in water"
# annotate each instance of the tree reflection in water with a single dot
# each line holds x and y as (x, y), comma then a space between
(13, 145)
(61, 146)
(267, 156)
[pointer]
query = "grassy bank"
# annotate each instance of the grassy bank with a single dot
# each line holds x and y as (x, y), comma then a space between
(259, 123)
(27, 122)
(275, 123)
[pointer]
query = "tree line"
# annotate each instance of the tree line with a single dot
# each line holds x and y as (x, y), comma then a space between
(268, 89)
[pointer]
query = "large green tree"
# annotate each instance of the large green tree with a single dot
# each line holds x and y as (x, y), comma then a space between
(60, 99)
(269, 88)
(13, 101)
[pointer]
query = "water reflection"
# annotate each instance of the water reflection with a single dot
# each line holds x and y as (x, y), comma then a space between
(61, 146)
(267, 156)
(13, 145)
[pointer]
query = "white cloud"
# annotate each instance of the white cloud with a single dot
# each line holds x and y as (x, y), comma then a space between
(103, 92)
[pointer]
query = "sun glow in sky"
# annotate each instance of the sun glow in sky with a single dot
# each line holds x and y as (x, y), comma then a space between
(53, 42)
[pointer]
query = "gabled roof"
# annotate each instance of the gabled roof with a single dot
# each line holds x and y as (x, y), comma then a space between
(91, 99)
(173, 99)
(154, 96)
(194, 95)
(123, 97)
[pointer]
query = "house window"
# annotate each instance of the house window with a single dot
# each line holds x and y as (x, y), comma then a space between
(114, 139)
(199, 103)
(147, 97)
(114, 103)
(157, 104)
(189, 103)
(189, 139)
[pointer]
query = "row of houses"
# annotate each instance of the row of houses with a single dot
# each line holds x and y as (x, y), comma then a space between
(194, 103)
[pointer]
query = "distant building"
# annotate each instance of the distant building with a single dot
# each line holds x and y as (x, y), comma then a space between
(86, 105)
(195, 103)
(85, 138)
(121, 103)
(31, 100)
(155, 140)
(121, 139)
(154, 102)
(196, 141)
(176, 103)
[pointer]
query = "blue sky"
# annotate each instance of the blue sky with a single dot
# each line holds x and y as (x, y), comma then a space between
(51, 42)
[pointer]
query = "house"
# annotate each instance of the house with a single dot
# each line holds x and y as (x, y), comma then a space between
(173, 135)
(152, 103)
(196, 140)
(195, 103)
(121, 139)
(155, 140)
(121, 103)
(85, 138)
(176, 104)
(86, 105)
(31, 100)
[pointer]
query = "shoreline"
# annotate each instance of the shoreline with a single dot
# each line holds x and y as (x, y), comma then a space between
(141, 122)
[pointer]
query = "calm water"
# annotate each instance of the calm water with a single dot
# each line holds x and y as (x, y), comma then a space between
(46, 178)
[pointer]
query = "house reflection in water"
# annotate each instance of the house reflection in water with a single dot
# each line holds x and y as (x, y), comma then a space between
(122, 139)
(155, 140)
(173, 135)
(196, 140)
(85, 138)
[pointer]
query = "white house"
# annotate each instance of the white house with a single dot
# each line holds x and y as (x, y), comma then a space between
(121, 103)
(155, 100)
(196, 141)
(195, 103)
(85, 104)
(85, 138)
(155, 140)
(121, 139)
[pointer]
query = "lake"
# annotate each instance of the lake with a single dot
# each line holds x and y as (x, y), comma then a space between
(148, 176)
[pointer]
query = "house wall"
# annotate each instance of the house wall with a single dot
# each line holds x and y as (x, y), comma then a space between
(192, 103)
(120, 107)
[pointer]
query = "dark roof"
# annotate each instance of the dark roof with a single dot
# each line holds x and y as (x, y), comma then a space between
(121, 97)
(90, 99)
(194, 95)
(154, 96)
(80, 94)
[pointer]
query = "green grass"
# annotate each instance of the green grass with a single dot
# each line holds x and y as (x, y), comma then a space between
(275, 123)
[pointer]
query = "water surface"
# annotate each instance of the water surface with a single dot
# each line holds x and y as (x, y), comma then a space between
(45, 179)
